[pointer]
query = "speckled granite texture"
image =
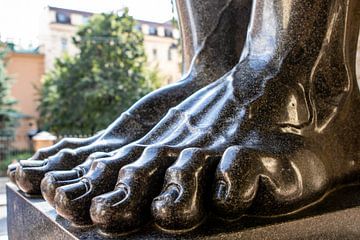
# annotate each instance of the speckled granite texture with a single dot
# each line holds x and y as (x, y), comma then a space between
(337, 217)
(267, 135)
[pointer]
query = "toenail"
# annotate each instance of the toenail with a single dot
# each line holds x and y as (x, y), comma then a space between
(73, 191)
(86, 184)
(171, 193)
(80, 171)
(50, 178)
(120, 194)
(221, 190)
(32, 163)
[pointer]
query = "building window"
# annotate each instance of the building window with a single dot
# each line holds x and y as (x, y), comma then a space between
(169, 54)
(154, 51)
(64, 44)
(153, 31)
(171, 48)
(138, 27)
(63, 18)
(168, 33)
(85, 19)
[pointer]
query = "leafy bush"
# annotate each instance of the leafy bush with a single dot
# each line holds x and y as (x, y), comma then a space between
(12, 157)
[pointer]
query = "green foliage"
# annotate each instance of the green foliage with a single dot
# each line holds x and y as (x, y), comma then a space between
(8, 116)
(12, 157)
(84, 93)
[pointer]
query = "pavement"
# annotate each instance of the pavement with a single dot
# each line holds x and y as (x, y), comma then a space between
(3, 226)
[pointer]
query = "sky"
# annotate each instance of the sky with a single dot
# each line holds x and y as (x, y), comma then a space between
(20, 19)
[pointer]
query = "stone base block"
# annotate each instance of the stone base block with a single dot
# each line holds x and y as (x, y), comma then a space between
(337, 217)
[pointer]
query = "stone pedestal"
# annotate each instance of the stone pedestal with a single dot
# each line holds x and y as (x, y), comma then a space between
(337, 217)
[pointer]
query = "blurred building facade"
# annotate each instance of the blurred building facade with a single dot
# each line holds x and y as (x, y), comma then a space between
(26, 70)
(160, 40)
(26, 66)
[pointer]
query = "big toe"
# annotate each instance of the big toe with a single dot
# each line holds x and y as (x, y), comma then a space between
(236, 182)
(29, 174)
(181, 204)
(73, 201)
(107, 212)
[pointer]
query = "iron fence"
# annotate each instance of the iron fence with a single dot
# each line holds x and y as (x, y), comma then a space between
(21, 147)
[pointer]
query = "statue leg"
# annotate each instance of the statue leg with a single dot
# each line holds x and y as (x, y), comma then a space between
(202, 34)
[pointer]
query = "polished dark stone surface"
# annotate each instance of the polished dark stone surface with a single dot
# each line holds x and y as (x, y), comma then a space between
(266, 122)
(337, 217)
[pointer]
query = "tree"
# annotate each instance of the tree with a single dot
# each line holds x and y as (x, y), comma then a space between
(8, 115)
(86, 92)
